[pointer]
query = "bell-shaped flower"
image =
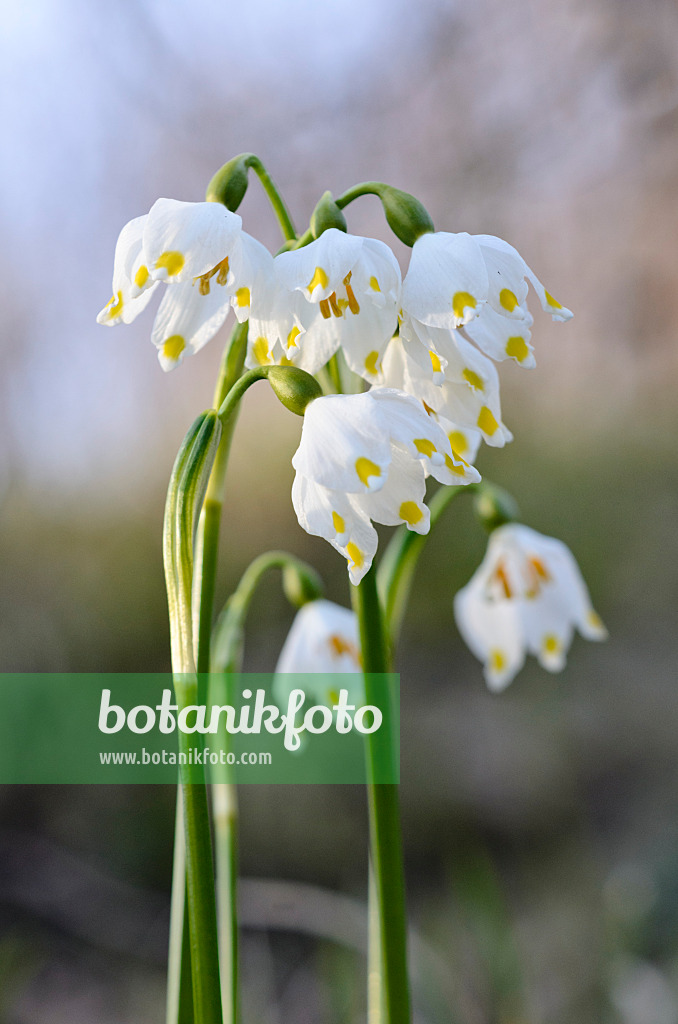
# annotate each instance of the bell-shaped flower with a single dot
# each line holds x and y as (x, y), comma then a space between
(527, 596)
(452, 379)
(323, 643)
(132, 283)
(365, 458)
(352, 286)
(478, 282)
(186, 241)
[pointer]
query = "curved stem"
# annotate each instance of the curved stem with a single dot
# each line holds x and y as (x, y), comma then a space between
(398, 565)
(384, 811)
(276, 200)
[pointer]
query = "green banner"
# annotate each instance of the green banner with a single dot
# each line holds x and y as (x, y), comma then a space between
(149, 728)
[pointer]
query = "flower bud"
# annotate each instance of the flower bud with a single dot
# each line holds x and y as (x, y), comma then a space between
(327, 215)
(301, 584)
(494, 506)
(293, 387)
(406, 216)
(229, 184)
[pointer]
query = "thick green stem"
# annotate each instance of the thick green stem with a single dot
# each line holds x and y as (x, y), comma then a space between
(384, 811)
(179, 991)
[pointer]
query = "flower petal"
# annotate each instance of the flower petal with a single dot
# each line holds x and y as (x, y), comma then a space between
(187, 320)
(446, 283)
(186, 240)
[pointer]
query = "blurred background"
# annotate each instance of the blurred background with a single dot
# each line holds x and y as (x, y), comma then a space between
(540, 827)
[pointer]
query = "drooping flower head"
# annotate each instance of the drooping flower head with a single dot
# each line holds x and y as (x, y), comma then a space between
(527, 596)
(365, 458)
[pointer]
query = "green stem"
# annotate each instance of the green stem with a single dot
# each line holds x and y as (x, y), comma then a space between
(384, 812)
(275, 198)
(366, 188)
(398, 565)
(179, 991)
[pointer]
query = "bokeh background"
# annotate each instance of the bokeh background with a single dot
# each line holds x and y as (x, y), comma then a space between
(540, 827)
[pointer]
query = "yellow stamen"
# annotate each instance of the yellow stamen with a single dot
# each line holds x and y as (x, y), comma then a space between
(435, 361)
(517, 349)
(141, 276)
(460, 302)
(487, 422)
(423, 445)
(411, 513)
(325, 309)
(540, 568)
(261, 352)
(365, 468)
(352, 301)
(171, 261)
(173, 347)
(551, 301)
(374, 284)
(355, 555)
(242, 296)
(371, 363)
(508, 299)
(222, 271)
(472, 378)
(336, 309)
(319, 278)
(338, 523)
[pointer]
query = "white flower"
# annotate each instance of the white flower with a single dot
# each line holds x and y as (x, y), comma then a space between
(527, 595)
(478, 283)
(207, 262)
(365, 458)
(454, 381)
(340, 291)
(323, 642)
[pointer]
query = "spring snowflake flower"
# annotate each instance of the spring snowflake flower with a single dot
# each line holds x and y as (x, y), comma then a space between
(466, 400)
(527, 595)
(478, 283)
(207, 262)
(365, 458)
(341, 291)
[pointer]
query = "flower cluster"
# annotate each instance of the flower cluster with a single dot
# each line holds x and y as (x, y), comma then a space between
(422, 349)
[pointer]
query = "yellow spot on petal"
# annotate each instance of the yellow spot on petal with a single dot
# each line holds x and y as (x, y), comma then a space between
(173, 347)
(242, 296)
(472, 378)
(292, 337)
(371, 363)
(115, 305)
(284, 361)
(141, 276)
(594, 620)
(550, 644)
(319, 278)
(517, 349)
(355, 555)
(374, 284)
(462, 301)
(365, 468)
(411, 513)
(487, 422)
(453, 467)
(497, 660)
(508, 299)
(435, 361)
(458, 442)
(171, 261)
(551, 301)
(423, 445)
(261, 352)
(338, 523)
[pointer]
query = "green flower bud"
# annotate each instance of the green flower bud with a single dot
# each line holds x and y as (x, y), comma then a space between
(293, 387)
(327, 215)
(229, 184)
(494, 506)
(301, 584)
(407, 218)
